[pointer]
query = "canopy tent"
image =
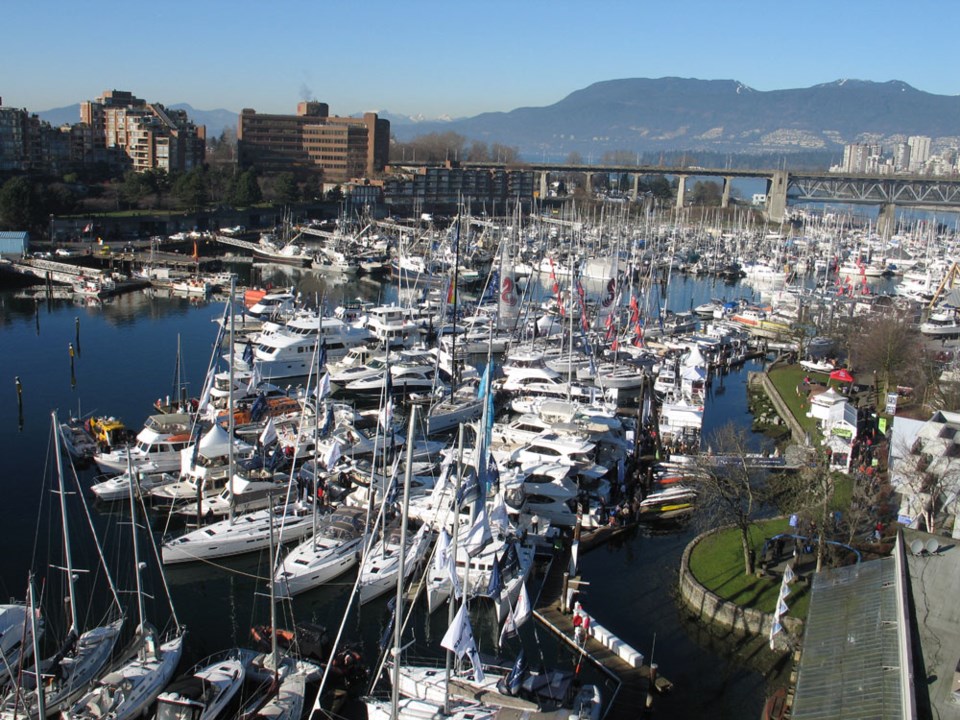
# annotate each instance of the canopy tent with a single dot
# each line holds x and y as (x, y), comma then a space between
(841, 375)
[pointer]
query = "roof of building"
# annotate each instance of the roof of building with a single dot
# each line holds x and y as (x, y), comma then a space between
(855, 662)
(935, 587)
(14, 235)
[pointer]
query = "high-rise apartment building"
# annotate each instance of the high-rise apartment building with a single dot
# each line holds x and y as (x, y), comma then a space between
(919, 151)
(901, 157)
(860, 157)
(29, 144)
(313, 141)
(147, 135)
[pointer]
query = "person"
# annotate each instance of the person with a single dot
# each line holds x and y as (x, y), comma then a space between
(577, 624)
(534, 523)
(585, 624)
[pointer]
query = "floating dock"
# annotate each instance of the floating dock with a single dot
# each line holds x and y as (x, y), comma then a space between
(618, 661)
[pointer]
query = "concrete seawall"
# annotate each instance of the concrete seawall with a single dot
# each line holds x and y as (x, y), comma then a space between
(798, 434)
(709, 607)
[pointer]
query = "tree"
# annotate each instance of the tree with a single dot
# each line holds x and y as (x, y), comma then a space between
(889, 345)
(504, 154)
(574, 158)
(191, 189)
(157, 183)
(285, 190)
(478, 152)
(731, 492)
(335, 194)
(619, 157)
(660, 187)
(21, 207)
(927, 476)
(706, 193)
(247, 189)
(133, 189)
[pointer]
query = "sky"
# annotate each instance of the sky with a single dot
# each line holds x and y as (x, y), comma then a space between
(456, 57)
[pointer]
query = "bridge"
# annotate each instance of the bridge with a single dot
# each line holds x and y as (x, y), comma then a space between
(783, 186)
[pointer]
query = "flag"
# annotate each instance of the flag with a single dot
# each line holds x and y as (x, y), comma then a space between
(327, 419)
(459, 640)
(515, 678)
(248, 353)
(498, 515)
(196, 253)
(255, 378)
(788, 575)
(269, 434)
(517, 616)
(323, 387)
(469, 487)
(386, 417)
(87, 228)
(479, 533)
(322, 360)
(784, 590)
(782, 607)
(495, 583)
(441, 554)
(634, 309)
(459, 636)
(332, 455)
(451, 291)
(493, 474)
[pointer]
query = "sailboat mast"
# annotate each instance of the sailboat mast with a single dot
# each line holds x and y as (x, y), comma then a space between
(136, 541)
(274, 651)
(451, 612)
(35, 642)
(401, 563)
(231, 420)
(71, 597)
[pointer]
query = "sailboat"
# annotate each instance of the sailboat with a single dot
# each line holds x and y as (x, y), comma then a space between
(206, 691)
(129, 689)
(83, 653)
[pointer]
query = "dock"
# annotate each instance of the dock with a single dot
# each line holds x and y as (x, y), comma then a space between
(623, 665)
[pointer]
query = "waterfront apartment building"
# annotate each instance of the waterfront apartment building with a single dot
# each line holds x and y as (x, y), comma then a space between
(142, 135)
(861, 157)
(29, 144)
(341, 148)
(445, 188)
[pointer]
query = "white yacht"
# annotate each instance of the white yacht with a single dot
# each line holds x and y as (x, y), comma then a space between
(380, 567)
(289, 351)
(158, 443)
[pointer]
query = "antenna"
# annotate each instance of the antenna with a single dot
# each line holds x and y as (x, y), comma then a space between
(916, 546)
(932, 546)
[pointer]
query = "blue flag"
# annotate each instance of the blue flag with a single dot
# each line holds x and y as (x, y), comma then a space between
(248, 353)
(515, 677)
(323, 354)
(495, 584)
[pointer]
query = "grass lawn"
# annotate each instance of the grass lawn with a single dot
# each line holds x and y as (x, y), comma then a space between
(717, 563)
(785, 379)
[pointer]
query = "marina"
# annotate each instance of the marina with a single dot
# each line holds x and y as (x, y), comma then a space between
(575, 426)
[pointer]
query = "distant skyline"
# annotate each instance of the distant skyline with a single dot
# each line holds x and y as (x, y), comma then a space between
(439, 58)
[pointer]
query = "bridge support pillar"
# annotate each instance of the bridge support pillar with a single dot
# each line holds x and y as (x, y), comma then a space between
(887, 220)
(777, 196)
(681, 191)
(588, 182)
(635, 187)
(725, 199)
(543, 184)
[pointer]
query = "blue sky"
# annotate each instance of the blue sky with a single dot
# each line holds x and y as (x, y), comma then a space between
(454, 57)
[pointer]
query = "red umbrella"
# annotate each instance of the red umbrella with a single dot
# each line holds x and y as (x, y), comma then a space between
(841, 375)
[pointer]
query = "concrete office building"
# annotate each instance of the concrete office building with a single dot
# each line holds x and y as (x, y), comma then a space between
(341, 148)
(919, 151)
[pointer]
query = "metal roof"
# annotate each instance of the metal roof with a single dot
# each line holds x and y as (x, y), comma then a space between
(854, 659)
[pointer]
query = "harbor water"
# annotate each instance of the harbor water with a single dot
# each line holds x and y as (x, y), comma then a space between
(123, 359)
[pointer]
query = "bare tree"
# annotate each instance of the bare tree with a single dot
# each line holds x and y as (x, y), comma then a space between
(928, 473)
(889, 345)
(731, 492)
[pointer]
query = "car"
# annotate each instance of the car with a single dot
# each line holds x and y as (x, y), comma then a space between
(63, 252)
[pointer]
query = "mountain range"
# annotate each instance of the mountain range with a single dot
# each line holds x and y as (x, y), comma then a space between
(640, 115)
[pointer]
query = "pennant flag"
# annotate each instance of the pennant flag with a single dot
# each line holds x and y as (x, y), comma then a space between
(459, 636)
(495, 584)
(440, 555)
(469, 487)
(327, 419)
(322, 360)
(515, 678)
(517, 616)
(323, 387)
(269, 434)
(499, 518)
(479, 534)
(784, 590)
(255, 379)
(248, 353)
(782, 608)
(332, 455)
(788, 575)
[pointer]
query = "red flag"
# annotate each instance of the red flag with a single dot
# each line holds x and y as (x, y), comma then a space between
(451, 292)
